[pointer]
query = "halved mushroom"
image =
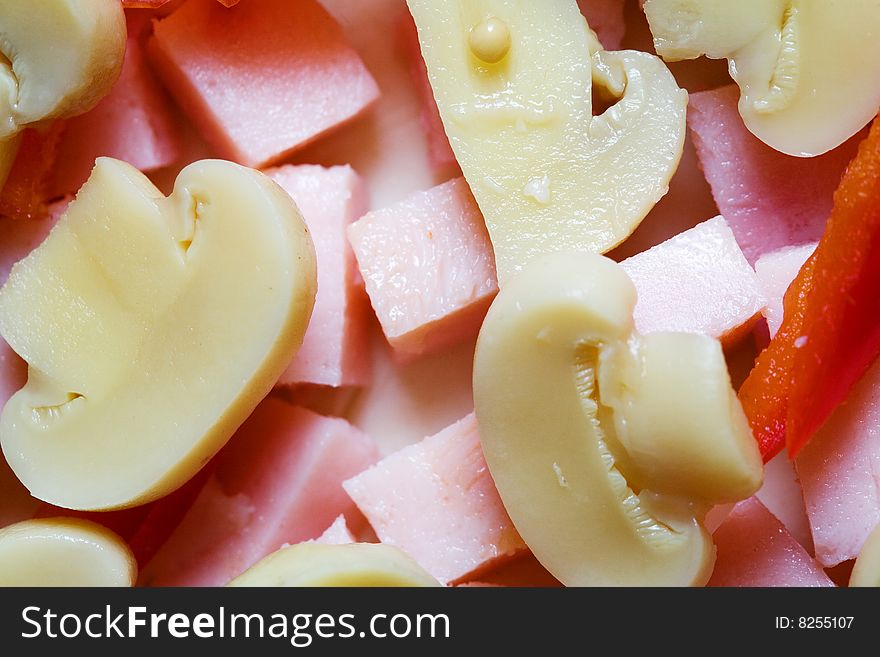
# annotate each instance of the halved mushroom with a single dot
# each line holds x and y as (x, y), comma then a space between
(794, 61)
(354, 564)
(58, 58)
(64, 552)
(607, 448)
(514, 82)
(152, 327)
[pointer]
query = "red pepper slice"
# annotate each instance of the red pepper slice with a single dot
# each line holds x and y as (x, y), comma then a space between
(830, 333)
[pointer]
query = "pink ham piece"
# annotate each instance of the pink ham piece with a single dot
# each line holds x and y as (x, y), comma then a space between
(437, 502)
(776, 270)
(260, 79)
(133, 123)
(279, 480)
(334, 351)
(336, 534)
(754, 549)
(439, 151)
(771, 200)
(430, 274)
(839, 471)
(697, 282)
(428, 266)
(606, 19)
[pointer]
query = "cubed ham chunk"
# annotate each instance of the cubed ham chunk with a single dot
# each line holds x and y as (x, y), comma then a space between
(783, 496)
(133, 123)
(697, 282)
(437, 502)
(335, 349)
(771, 200)
(429, 271)
(605, 18)
(439, 149)
(336, 534)
(776, 270)
(279, 480)
(754, 549)
(428, 266)
(839, 471)
(260, 79)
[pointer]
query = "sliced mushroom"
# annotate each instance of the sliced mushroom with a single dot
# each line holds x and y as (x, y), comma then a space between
(152, 327)
(64, 552)
(607, 448)
(808, 70)
(514, 81)
(58, 58)
(354, 564)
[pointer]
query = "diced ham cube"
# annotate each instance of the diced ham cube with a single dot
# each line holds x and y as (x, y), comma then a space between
(279, 480)
(754, 549)
(776, 270)
(439, 149)
(133, 123)
(697, 282)
(605, 18)
(334, 351)
(783, 496)
(839, 471)
(771, 200)
(336, 534)
(428, 266)
(437, 502)
(260, 79)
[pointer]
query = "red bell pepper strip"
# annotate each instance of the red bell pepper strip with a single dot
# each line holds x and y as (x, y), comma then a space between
(830, 333)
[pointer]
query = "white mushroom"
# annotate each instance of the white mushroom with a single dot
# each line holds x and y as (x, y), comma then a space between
(808, 70)
(152, 327)
(516, 102)
(607, 448)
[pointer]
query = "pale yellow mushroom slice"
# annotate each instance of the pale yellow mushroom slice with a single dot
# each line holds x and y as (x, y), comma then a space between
(678, 418)
(568, 398)
(58, 58)
(152, 327)
(514, 82)
(866, 571)
(808, 70)
(64, 552)
(352, 565)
